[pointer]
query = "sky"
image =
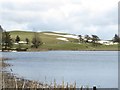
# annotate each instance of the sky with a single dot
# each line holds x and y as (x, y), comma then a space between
(81, 17)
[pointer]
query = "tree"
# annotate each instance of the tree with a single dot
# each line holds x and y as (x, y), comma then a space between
(17, 39)
(80, 38)
(36, 41)
(6, 40)
(27, 40)
(116, 38)
(95, 38)
(87, 38)
(1, 31)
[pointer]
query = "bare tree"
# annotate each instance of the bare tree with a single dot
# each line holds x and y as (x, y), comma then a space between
(36, 41)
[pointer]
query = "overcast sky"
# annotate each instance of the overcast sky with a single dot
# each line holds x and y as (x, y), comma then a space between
(83, 17)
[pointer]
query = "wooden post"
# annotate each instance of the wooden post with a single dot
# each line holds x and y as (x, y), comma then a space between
(94, 88)
(81, 88)
(54, 83)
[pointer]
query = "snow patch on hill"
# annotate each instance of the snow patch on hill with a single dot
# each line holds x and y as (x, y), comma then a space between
(64, 39)
(66, 36)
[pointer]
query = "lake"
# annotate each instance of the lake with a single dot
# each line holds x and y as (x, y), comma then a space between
(90, 68)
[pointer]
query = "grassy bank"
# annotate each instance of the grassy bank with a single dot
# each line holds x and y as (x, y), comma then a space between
(75, 47)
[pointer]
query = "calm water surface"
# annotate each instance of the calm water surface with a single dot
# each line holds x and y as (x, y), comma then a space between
(85, 67)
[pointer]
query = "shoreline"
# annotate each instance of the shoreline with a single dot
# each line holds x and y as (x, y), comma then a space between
(56, 50)
(10, 80)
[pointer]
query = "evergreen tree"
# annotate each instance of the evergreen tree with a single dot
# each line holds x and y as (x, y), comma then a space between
(17, 39)
(27, 40)
(95, 38)
(116, 38)
(87, 38)
(1, 31)
(6, 40)
(80, 38)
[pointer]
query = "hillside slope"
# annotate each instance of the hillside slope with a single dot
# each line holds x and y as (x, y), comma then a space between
(57, 41)
(46, 37)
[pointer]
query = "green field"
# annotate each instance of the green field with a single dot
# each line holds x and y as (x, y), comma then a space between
(51, 43)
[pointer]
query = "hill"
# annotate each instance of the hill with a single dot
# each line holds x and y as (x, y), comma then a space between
(58, 41)
(47, 37)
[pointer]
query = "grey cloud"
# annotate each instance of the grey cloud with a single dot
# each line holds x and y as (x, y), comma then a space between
(51, 25)
(109, 18)
(76, 23)
(17, 17)
(107, 32)
(30, 6)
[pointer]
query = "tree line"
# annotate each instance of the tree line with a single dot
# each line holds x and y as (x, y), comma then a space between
(116, 38)
(7, 42)
(86, 39)
(36, 41)
(95, 38)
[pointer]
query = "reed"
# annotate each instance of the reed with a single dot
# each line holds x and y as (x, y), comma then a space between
(23, 84)
(54, 83)
(16, 85)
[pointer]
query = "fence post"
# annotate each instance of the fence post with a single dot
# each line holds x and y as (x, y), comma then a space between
(94, 88)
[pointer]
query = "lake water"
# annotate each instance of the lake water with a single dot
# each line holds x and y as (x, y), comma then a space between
(85, 67)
